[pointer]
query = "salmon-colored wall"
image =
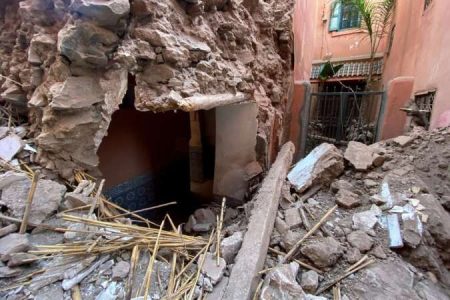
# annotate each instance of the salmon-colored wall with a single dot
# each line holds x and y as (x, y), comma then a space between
(347, 43)
(421, 49)
(304, 37)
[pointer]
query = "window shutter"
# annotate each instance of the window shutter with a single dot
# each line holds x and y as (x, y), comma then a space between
(335, 18)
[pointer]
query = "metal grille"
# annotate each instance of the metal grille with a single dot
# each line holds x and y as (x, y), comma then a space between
(423, 108)
(340, 117)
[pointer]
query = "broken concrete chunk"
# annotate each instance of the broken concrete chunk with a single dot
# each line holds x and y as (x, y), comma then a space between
(360, 240)
(323, 252)
(292, 218)
(347, 199)
(205, 216)
(10, 146)
(412, 229)
(120, 270)
(211, 269)
(74, 200)
(281, 226)
(14, 243)
(47, 198)
(322, 165)
(365, 220)
(230, 246)
(403, 140)
(310, 281)
(281, 283)
(361, 156)
(290, 238)
(352, 255)
(50, 292)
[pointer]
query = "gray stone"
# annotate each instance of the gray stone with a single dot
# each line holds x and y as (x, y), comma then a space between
(114, 290)
(74, 200)
(156, 74)
(18, 259)
(370, 183)
(310, 281)
(104, 13)
(86, 45)
(321, 166)
(360, 156)
(281, 226)
(403, 140)
(383, 280)
(8, 229)
(281, 283)
(378, 252)
(230, 246)
(347, 199)
(46, 200)
(290, 238)
(10, 146)
(211, 269)
(360, 240)
(250, 259)
(292, 218)
(14, 243)
(120, 270)
(190, 224)
(50, 292)
(7, 272)
(412, 229)
(352, 255)
(67, 95)
(323, 252)
(341, 184)
(205, 216)
(365, 220)
(202, 227)
(219, 290)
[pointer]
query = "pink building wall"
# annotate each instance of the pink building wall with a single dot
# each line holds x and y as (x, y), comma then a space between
(338, 45)
(304, 39)
(421, 49)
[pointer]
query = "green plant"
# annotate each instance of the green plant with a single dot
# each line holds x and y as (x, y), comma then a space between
(376, 17)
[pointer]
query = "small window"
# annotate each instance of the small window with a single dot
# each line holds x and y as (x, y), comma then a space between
(344, 16)
(422, 108)
(427, 4)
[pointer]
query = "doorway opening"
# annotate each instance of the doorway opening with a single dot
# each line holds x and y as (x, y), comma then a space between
(147, 159)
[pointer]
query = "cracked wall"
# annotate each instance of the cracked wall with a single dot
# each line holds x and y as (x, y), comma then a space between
(68, 63)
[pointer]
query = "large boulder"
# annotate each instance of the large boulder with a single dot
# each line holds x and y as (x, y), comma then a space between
(86, 45)
(46, 200)
(281, 283)
(321, 166)
(361, 156)
(104, 13)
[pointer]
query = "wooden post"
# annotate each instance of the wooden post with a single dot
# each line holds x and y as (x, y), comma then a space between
(26, 214)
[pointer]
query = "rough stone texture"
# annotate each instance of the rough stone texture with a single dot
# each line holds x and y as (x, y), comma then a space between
(50, 292)
(361, 156)
(390, 280)
(183, 55)
(47, 197)
(18, 259)
(281, 283)
(230, 246)
(323, 252)
(7, 272)
(14, 243)
(120, 270)
(347, 199)
(10, 146)
(322, 165)
(211, 269)
(292, 218)
(250, 259)
(290, 238)
(8, 229)
(310, 281)
(365, 220)
(341, 184)
(403, 140)
(360, 240)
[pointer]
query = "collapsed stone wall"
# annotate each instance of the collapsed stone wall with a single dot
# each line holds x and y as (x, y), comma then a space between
(68, 62)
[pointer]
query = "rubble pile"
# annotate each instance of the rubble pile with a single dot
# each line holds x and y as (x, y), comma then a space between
(387, 214)
(71, 63)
